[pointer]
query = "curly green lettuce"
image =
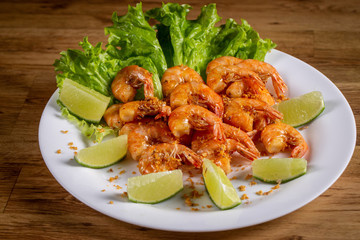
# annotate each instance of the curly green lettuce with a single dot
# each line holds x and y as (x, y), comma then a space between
(132, 36)
(196, 42)
(92, 67)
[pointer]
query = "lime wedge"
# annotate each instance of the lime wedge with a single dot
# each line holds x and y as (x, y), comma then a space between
(83, 101)
(103, 154)
(154, 187)
(219, 187)
(274, 170)
(301, 110)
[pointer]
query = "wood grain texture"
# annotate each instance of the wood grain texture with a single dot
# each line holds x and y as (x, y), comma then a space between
(33, 205)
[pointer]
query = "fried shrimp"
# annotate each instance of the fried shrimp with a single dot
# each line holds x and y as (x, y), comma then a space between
(239, 141)
(167, 157)
(225, 60)
(187, 117)
(147, 133)
(128, 80)
(137, 110)
(198, 94)
(176, 75)
(112, 116)
(280, 136)
(204, 144)
(265, 71)
(235, 82)
(249, 114)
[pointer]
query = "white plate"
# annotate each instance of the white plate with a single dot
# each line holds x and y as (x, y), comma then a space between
(331, 138)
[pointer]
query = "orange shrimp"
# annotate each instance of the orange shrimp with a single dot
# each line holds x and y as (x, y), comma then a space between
(198, 94)
(187, 117)
(239, 141)
(247, 114)
(112, 116)
(128, 80)
(225, 60)
(265, 70)
(238, 82)
(204, 144)
(176, 75)
(145, 134)
(280, 136)
(132, 111)
(166, 157)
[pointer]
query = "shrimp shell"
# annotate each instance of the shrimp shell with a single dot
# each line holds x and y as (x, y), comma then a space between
(280, 136)
(247, 114)
(167, 157)
(239, 141)
(238, 82)
(204, 144)
(137, 110)
(128, 80)
(145, 134)
(265, 70)
(198, 94)
(176, 75)
(112, 116)
(225, 60)
(187, 117)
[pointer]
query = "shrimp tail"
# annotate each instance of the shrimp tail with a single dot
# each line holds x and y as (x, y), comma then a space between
(250, 154)
(149, 88)
(193, 158)
(219, 110)
(279, 85)
(165, 111)
(219, 132)
(300, 150)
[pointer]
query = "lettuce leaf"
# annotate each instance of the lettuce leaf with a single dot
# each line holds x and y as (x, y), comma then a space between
(132, 36)
(196, 42)
(92, 67)
(190, 39)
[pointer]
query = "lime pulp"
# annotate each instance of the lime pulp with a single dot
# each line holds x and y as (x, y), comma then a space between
(154, 187)
(103, 154)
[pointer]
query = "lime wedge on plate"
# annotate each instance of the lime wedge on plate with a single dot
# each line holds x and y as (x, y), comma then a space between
(103, 154)
(274, 170)
(83, 101)
(154, 187)
(301, 110)
(219, 187)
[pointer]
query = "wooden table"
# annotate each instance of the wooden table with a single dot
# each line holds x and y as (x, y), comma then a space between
(34, 205)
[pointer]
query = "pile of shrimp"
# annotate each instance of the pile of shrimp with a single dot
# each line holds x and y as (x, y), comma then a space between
(231, 113)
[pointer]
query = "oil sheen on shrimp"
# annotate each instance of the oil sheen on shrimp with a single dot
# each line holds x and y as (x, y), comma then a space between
(225, 60)
(187, 117)
(238, 141)
(135, 110)
(166, 157)
(176, 75)
(279, 136)
(249, 114)
(238, 82)
(128, 80)
(265, 71)
(204, 144)
(112, 116)
(198, 94)
(147, 133)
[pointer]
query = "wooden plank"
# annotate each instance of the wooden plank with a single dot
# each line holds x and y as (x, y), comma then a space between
(8, 177)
